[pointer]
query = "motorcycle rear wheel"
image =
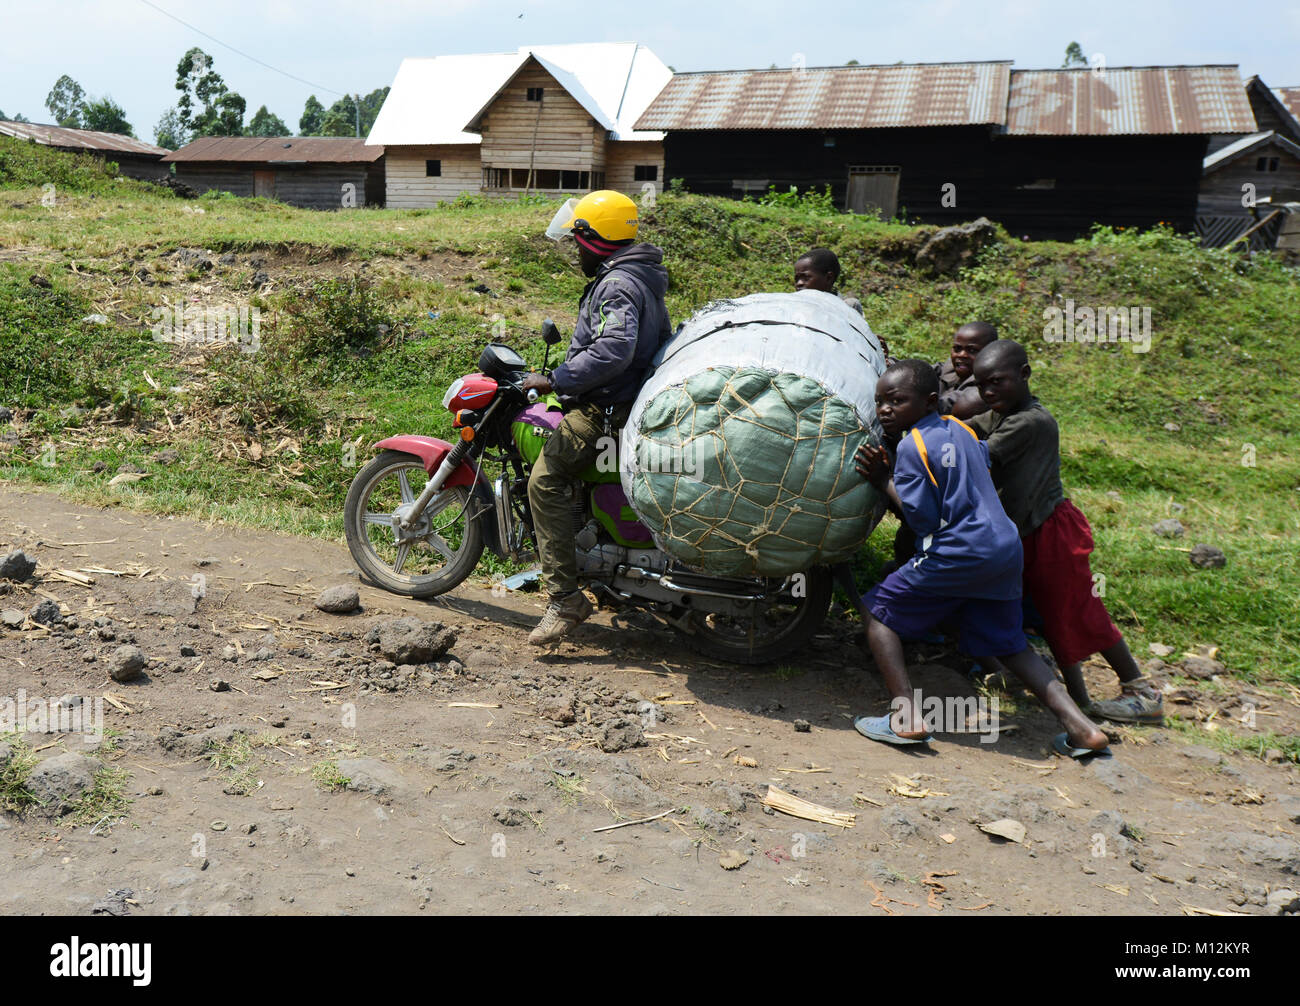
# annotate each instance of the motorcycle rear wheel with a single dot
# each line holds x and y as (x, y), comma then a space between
(416, 565)
(781, 629)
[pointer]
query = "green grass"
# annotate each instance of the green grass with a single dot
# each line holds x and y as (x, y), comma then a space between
(1256, 744)
(1220, 364)
(14, 794)
(237, 760)
(327, 776)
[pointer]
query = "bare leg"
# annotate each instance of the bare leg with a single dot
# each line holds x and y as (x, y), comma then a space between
(887, 651)
(1080, 731)
(1119, 658)
(1075, 684)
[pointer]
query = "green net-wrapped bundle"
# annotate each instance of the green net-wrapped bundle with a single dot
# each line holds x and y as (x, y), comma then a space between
(738, 452)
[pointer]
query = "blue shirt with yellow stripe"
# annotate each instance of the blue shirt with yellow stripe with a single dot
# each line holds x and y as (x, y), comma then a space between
(966, 546)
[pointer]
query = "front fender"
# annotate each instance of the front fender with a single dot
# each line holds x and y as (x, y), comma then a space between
(431, 451)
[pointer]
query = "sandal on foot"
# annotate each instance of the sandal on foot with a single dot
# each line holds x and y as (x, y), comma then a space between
(1061, 744)
(877, 728)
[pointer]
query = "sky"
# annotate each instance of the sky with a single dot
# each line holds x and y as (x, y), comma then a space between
(128, 49)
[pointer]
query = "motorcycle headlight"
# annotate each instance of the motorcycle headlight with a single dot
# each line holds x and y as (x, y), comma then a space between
(452, 392)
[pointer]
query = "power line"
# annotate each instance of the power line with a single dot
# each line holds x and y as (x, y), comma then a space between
(259, 62)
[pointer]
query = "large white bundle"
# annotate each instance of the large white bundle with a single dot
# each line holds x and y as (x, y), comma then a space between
(738, 452)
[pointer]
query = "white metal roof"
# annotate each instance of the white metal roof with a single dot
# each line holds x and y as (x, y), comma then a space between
(432, 101)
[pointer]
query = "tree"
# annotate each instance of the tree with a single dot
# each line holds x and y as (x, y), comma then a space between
(312, 113)
(66, 102)
(1074, 56)
(853, 62)
(341, 119)
(169, 132)
(222, 111)
(107, 116)
(266, 123)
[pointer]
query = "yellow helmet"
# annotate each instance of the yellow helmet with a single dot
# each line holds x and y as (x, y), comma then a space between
(601, 221)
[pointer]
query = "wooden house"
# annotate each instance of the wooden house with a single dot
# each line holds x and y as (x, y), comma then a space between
(1047, 153)
(554, 119)
(1247, 180)
(134, 158)
(316, 172)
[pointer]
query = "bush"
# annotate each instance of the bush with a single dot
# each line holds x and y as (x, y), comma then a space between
(333, 315)
(811, 201)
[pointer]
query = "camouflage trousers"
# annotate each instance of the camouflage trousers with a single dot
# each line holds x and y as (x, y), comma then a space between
(574, 446)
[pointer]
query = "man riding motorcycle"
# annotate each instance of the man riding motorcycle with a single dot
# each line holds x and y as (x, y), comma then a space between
(622, 322)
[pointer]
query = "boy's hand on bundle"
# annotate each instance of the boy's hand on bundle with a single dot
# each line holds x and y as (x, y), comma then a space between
(872, 463)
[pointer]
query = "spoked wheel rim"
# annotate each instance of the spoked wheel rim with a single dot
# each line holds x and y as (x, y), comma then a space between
(419, 556)
(774, 622)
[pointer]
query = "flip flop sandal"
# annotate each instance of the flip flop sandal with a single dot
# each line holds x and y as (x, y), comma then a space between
(877, 728)
(1061, 744)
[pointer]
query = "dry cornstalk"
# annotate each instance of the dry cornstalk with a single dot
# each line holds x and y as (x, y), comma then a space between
(787, 803)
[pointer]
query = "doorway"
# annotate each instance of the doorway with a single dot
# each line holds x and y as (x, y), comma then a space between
(873, 187)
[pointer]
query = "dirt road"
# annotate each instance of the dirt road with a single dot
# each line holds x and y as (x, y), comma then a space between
(477, 780)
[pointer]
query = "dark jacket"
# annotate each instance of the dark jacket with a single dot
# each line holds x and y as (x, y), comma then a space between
(622, 322)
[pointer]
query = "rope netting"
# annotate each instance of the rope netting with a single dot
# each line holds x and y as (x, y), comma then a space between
(745, 472)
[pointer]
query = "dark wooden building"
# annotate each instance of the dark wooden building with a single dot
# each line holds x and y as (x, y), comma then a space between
(316, 172)
(134, 158)
(1247, 181)
(1047, 153)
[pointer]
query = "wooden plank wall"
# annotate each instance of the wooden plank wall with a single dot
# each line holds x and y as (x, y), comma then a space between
(202, 177)
(568, 138)
(621, 158)
(1221, 190)
(1119, 180)
(408, 187)
(312, 186)
(320, 186)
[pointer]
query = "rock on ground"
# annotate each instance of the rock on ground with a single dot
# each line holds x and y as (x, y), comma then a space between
(1207, 557)
(411, 641)
(127, 664)
(339, 600)
(1168, 528)
(950, 248)
(367, 775)
(17, 565)
(58, 783)
(46, 613)
(621, 733)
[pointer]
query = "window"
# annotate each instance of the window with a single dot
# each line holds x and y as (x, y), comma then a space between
(432, 169)
(535, 93)
(1266, 164)
(544, 179)
(645, 173)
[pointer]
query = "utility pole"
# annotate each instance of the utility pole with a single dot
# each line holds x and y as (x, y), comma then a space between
(356, 105)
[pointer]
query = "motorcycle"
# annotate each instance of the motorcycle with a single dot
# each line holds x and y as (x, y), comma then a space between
(419, 516)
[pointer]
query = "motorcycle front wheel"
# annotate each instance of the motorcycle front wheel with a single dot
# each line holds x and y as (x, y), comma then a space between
(435, 555)
(781, 627)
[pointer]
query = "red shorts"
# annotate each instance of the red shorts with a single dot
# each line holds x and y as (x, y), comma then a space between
(1058, 580)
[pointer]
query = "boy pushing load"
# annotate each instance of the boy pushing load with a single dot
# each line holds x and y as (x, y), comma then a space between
(1024, 446)
(967, 565)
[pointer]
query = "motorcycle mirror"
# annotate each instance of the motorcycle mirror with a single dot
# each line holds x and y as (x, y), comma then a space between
(550, 334)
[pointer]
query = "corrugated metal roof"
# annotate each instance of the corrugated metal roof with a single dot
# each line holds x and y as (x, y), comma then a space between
(1290, 97)
(837, 97)
(1128, 100)
(79, 139)
(264, 149)
(434, 101)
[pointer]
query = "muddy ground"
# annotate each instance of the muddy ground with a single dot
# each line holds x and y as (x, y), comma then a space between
(477, 779)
